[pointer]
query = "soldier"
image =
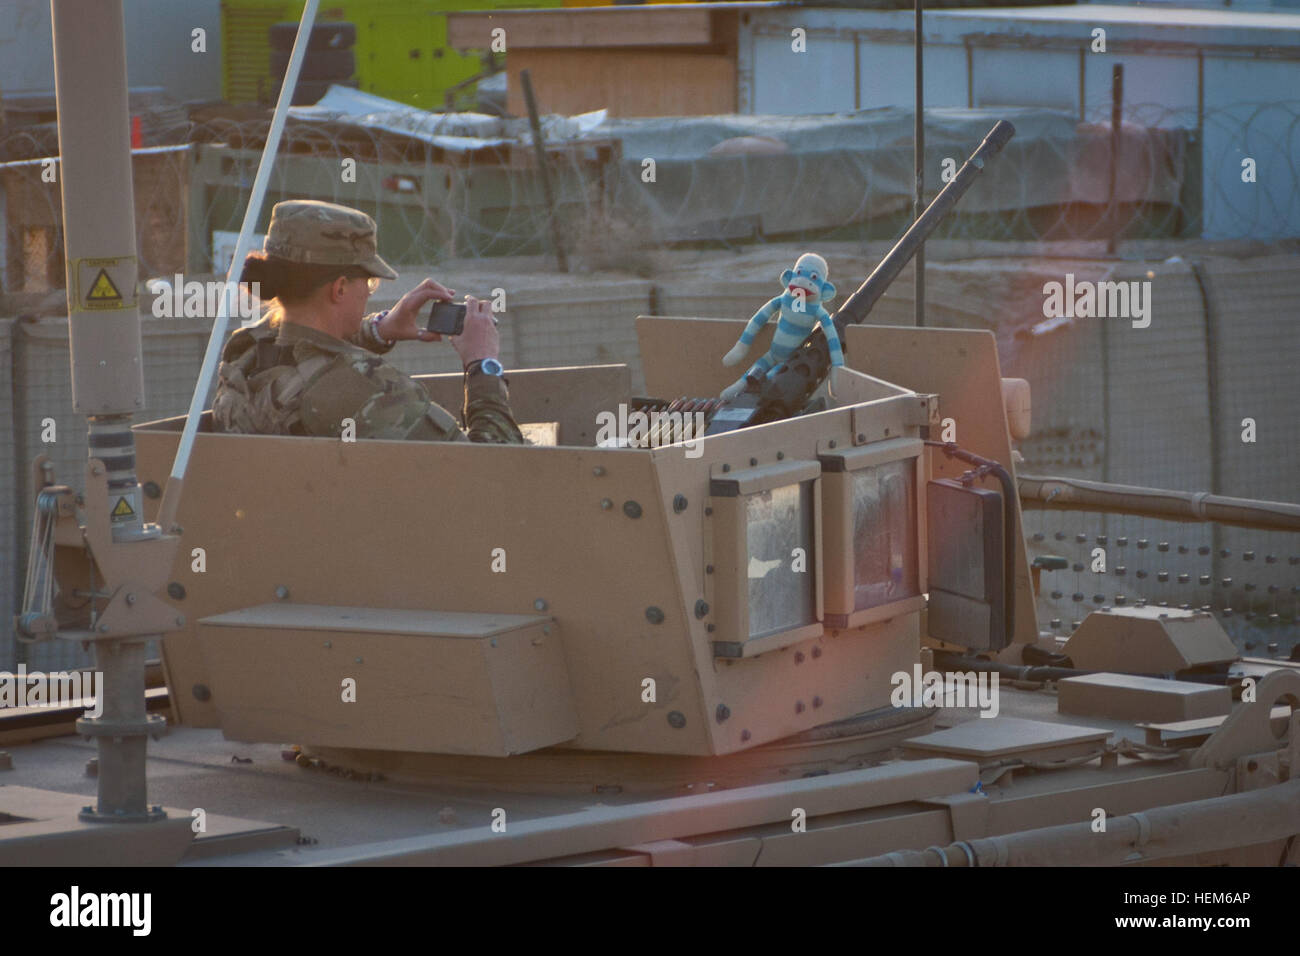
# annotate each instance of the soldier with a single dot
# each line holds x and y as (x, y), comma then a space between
(313, 360)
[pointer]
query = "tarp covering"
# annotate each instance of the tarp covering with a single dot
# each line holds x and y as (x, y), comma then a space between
(455, 132)
(812, 172)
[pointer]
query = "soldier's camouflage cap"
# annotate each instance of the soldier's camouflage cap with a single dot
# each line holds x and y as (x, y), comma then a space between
(324, 233)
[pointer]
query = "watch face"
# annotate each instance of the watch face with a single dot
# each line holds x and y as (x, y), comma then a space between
(491, 367)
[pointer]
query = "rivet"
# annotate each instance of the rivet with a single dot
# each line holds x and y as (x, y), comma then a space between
(831, 443)
(817, 702)
(151, 489)
(726, 468)
(539, 604)
(281, 593)
(780, 456)
(130, 599)
(708, 511)
(654, 615)
(356, 660)
(798, 657)
(711, 628)
(676, 719)
(180, 622)
(176, 590)
(816, 652)
(862, 438)
(708, 569)
(722, 713)
(798, 707)
(606, 504)
(631, 509)
(679, 503)
(701, 608)
(753, 462)
(328, 645)
(744, 735)
(598, 471)
(201, 692)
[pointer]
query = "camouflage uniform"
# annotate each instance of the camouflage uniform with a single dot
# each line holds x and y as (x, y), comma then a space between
(281, 378)
(278, 378)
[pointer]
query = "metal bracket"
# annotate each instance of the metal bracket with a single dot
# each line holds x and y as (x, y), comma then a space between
(1249, 729)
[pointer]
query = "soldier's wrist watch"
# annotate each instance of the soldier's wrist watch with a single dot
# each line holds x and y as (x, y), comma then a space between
(487, 366)
(374, 329)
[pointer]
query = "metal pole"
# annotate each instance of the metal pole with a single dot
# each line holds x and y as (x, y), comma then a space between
(1215, 824)
(104, 334)
(1078, 494)
(216, 341)
(536, 124)
(918, 200)
(1116, 120)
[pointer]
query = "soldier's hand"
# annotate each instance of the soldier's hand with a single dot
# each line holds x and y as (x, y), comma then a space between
(403, 320)
(480, 339)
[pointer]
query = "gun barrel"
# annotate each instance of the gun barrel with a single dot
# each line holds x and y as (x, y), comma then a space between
(857, 306)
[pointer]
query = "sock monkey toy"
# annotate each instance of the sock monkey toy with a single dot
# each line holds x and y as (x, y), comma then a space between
(799, 308)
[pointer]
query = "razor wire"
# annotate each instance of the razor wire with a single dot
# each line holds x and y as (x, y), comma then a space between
(759, 180)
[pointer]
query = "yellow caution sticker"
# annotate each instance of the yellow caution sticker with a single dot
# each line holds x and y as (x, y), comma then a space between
(123, 509)
(105, 283)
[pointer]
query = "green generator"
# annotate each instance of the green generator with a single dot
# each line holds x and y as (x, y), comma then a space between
(401, 47)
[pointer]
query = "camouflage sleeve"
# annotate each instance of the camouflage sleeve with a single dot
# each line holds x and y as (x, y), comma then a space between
(487, 411)
(365, 337)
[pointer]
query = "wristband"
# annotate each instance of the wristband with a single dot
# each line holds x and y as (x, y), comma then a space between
(374, 330)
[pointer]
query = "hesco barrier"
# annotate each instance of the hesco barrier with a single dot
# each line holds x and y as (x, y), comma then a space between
(1155, 406)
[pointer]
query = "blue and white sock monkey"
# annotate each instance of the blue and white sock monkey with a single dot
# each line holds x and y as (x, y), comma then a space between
(799, 309)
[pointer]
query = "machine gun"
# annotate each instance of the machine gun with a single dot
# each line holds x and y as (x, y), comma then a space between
(786, 390)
